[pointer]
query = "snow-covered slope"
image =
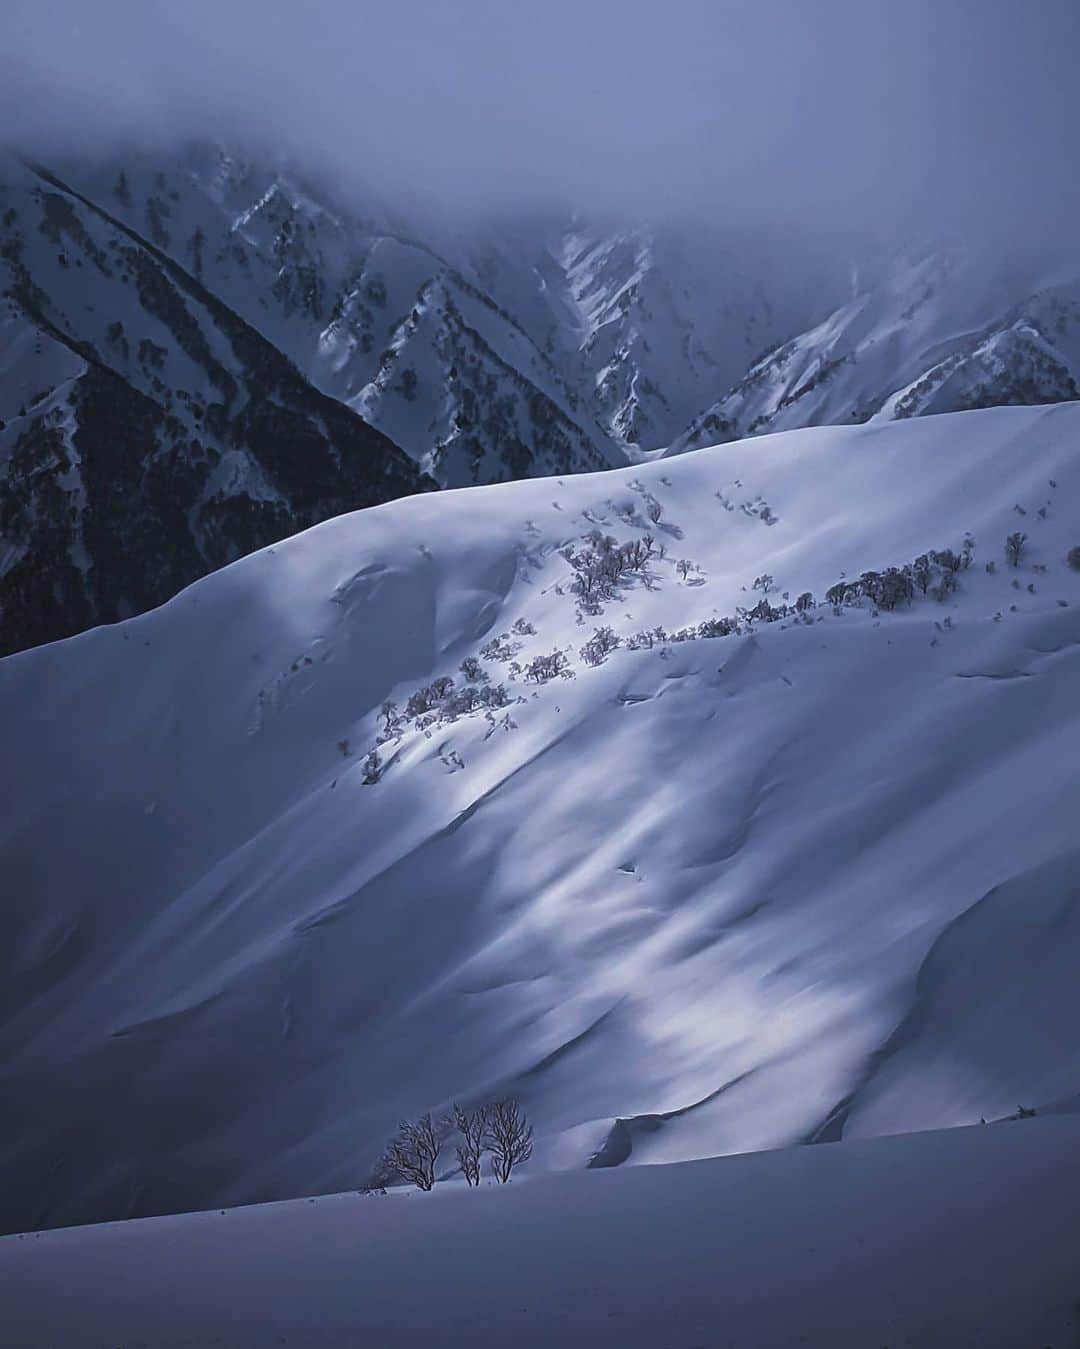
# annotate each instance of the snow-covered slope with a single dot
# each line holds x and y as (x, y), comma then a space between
(147, 433)
(816, 877)
(938, 333)
(940, 1240)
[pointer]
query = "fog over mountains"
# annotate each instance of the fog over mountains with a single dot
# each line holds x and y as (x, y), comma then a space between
(512, 246)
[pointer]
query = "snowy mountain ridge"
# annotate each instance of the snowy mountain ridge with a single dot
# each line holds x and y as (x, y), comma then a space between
(655, 880)
(938, 333)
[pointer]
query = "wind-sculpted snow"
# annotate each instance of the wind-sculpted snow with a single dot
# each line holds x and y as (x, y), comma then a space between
(678, 901)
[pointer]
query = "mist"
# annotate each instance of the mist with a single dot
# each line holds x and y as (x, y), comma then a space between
(853, 118)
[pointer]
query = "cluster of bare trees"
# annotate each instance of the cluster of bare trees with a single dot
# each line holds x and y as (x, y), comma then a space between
(660, 636)
(596, 649)
(551, 665)
(935, 571)
(502, 647)
(725, 625)
(602, 564)
(499, 1131)
(442, 700)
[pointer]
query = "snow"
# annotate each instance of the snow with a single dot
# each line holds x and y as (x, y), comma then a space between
(619, 335)
(938, 331)
(720, 895)
(949, 1239)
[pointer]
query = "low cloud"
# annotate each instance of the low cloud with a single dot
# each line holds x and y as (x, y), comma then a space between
(857, 118)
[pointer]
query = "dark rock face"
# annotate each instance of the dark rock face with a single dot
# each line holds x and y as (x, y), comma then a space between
(148, 434)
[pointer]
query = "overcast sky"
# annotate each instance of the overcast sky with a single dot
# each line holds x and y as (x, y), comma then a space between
(941, 113)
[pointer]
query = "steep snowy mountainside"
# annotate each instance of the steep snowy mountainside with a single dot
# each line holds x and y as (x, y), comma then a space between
(387, 317)
(939, 333)
(489, 349)
(939, 1239)
(664, 320)
(623, 304)
(687, 895)
(147, 433)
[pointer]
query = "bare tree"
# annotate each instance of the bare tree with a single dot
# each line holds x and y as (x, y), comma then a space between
(684, 567)
(412, 1153)
(1014, 548)
(508, 1138)
(472, 1126)
(655, 512)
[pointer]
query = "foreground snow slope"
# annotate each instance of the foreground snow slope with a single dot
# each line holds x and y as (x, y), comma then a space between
(942, 1239)
(813, 880)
